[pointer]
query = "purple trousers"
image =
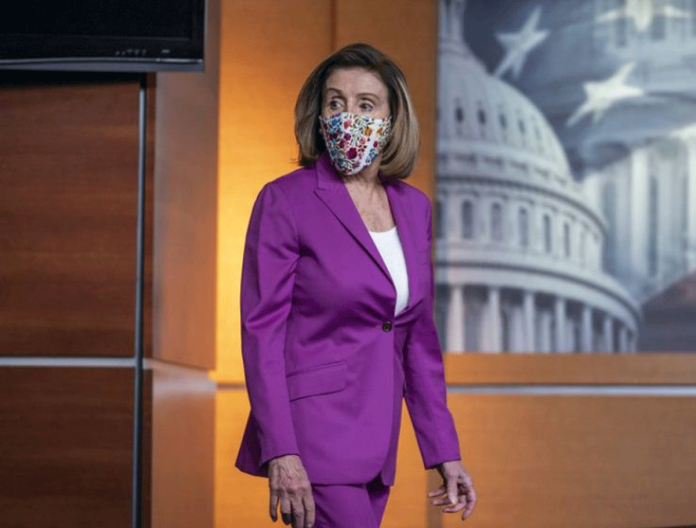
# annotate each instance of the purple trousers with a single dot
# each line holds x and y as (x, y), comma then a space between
(350, 506)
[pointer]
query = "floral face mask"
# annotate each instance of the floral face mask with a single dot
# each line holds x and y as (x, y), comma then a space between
(353, 140)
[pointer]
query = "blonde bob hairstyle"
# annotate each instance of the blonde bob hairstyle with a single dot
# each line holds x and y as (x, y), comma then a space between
(400, 152)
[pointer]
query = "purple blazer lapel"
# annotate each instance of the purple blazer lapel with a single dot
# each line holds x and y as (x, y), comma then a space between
(332, 191)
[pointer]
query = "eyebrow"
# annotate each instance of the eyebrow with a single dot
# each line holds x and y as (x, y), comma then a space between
(363, 94)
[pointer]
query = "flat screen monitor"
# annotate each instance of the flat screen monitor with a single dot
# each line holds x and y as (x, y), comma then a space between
(103, 35)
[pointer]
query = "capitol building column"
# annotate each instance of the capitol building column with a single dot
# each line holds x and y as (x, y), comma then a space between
(623, 339)
(455, 319)
(690, 143)
(587, 328)
(608, 333)
(529, 314)
(494, 327)
(640, 163)
(560, 326)
(632, 342)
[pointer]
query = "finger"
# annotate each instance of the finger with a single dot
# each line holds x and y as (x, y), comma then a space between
(286, 510)
(471, 502)
(467, 511)
(465, 480)
(472, 493)
(273, 506)
(456, 508)
(440, 502)
(438, 491)
(468, 491)
(298, 515)
(310, 510)
(452, 490)
(463, 500)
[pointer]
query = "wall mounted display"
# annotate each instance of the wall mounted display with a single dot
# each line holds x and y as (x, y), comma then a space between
(120, 35)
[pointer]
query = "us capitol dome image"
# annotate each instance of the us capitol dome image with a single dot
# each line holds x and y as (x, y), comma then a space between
(624, 109)
(519, 241)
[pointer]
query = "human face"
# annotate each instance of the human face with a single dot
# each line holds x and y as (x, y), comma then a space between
(355, 90)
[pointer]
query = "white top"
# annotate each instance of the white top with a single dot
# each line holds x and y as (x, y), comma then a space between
(392, 253)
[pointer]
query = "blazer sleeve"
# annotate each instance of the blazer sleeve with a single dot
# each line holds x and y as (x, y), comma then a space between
(425, 389)
(268, 270)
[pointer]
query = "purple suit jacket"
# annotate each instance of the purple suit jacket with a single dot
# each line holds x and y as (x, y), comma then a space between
(326, 362)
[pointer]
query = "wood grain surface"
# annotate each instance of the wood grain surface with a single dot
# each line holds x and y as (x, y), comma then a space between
(65, 447)
(185, 209)
(68, 182)
(183, 449)
(578, 461)
(573, 369)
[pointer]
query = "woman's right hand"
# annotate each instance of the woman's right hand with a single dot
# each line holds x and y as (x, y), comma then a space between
(289, 486)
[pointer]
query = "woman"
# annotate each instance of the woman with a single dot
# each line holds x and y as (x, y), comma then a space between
(337, 302)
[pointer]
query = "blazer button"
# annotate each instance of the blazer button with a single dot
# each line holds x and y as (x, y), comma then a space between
(387, 326)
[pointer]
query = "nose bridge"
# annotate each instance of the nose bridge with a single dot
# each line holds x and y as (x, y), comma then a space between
(352, 105)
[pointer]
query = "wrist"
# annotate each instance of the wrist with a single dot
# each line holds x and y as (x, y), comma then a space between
(287, 456)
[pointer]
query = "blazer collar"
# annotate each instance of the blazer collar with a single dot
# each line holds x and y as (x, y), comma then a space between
(333, 192)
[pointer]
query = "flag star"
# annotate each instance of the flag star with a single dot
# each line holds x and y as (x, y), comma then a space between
(519, 45)
(642, 12)
(602, 95)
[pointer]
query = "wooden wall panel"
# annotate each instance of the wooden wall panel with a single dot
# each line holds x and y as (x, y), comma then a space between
(68, 181)
(636, 369)
(240, 499)
(183, 448)
(65, 447)
(579, 461)
(185, 227)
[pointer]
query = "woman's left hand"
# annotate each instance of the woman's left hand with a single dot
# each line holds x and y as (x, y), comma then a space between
(458, 488)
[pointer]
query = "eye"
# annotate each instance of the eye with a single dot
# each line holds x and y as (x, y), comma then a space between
(334, 104)
(366, 107)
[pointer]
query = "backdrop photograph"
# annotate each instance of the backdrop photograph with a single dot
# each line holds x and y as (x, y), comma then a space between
(566, 176)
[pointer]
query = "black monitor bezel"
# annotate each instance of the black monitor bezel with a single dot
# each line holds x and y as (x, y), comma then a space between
(107, 53)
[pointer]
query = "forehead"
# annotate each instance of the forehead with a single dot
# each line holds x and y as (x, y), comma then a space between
(354, 81)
